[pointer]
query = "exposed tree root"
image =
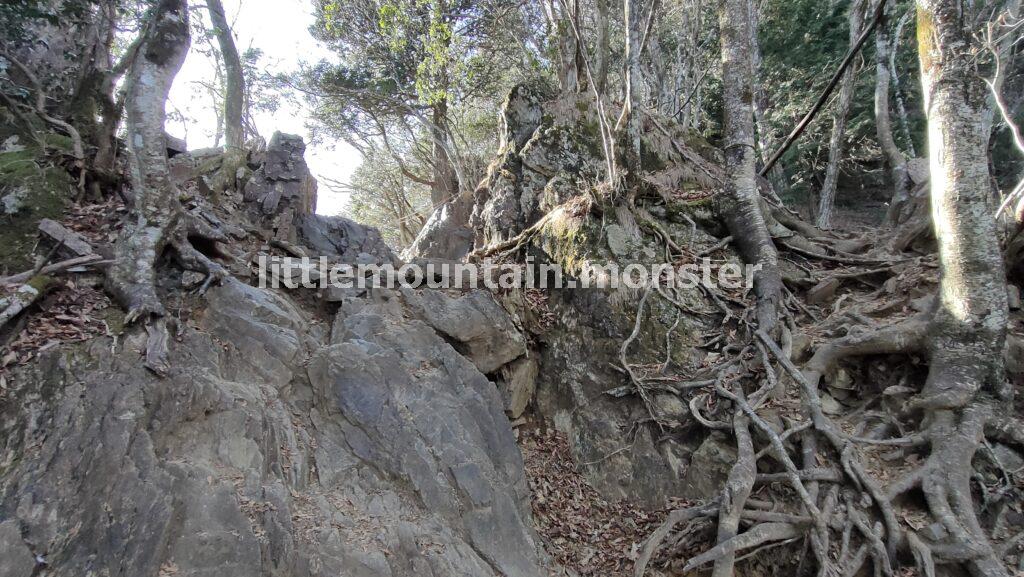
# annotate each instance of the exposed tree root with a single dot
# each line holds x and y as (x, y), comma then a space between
(157, 220)
(867, 514)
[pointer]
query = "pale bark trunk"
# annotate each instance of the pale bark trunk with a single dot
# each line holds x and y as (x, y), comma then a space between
(826, 204)
(445, 184)
(602, 46)
(156, 219)
(560, 22)
(969, 328)
(629, 120)
(894, 159)
(765, 144)
(234, 85)
(742, 203)
(901, 107)
(132, 277)
(234, 97)
(973, 288)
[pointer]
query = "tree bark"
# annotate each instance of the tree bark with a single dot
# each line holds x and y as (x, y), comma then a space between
(602, 47)
(445, 184)
(969, 326)
(132, 277)
(234, 96)
(561, 22)
(156, 219)
(826, 205)
(973, 312)
(901, 107)
(742, 203)
(629, 122)
(765, 144)
(234, 84)
(894, 159)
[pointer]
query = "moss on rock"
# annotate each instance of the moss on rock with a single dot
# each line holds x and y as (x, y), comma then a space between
(31, 189)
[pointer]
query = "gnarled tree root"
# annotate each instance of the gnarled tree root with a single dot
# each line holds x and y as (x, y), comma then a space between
(866, 513)
(131, 280)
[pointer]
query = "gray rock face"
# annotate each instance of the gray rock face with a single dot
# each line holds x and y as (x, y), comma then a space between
(517, 385)
(284, 178)
(623, 461)
(17, 560)
(280, 445)
(446, 234)
(550, 155)
(710, 467)
(477, 324)
(339, 236)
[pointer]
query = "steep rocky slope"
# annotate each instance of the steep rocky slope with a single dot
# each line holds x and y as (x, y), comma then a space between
(373, 432)
(292, 436)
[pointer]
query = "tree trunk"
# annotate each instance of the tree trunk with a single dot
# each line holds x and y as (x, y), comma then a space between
(234, 85)
(629, 122)
(742, 203)
(156, 219)
(827, 201)
(968, 330)
(445, 184)
(901, 107)
(97, 113)
(973, 290)
(602, 46)
(132, 277)
(894, 159)
(560, 22)
(234, 95)
(765, 144)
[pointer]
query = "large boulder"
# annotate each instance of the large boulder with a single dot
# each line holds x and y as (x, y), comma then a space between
(338, 236)
(278, 445)
(282, 187)
(446, 234)
(474, 323)
(549, 173)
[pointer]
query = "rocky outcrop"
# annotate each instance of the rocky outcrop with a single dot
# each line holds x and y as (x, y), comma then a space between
(551, 163)
(364, 432)
(289, 438)
(446, 234)
(282, 187)
(280, 444)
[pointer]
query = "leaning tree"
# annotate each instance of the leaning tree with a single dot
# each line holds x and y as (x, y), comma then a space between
(157, 219)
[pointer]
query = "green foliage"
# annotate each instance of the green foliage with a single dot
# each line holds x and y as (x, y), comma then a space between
(383, 197)
(802, 43)
(18, 16)
(399, 58)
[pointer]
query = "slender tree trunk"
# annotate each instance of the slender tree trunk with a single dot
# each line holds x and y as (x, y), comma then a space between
(629, 121)
(901, 107)
(894, 159)
(826, 205)
(445, 184)
(742, 203)
(765, 144)
(560, 21)
(234, 95)
(602, 46)
(101, 128)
